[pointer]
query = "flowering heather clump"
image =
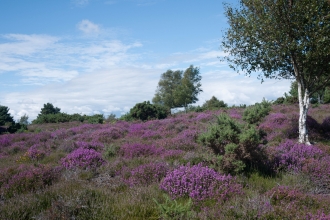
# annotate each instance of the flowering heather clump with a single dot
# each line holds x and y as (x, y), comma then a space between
(26, 178)
(280, 194)
(35, 152)
(169, 154)
(83, 158)
(108, 134)
(149, 134)
(279, 126)
(204, 117)
(145, 174)
(136, 129)
(318, 170)
(5, 140)
(233, 113)
(137, 150)
(291, 155)
(60, 134)
(199, 183)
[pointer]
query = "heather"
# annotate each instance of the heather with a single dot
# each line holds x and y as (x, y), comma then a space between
(215, 164)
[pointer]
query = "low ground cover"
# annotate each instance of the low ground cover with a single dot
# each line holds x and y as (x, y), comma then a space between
(197, 165)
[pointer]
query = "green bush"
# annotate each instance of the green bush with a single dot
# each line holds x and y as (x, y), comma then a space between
(94, 119)
(5, 117)
(64, 117)
(171, 209)
(236, 144)
(279, 101)
(214, 103)
(146, 111)
(253, 114)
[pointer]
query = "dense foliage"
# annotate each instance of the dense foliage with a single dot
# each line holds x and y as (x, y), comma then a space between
(64, 117)
(236, 144)
(146, 111)
(178, 88)
(214, 103)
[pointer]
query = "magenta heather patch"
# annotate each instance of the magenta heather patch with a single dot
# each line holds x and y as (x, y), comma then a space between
(291, 155)
(145, 174)
(83, 158)
(137, 150)
(204, 117)
(5, 140)
(233, 113)
(168, 154)
(279, 126)
(35, 152)
(60, 134)
(107, 135)
(27, 178)
(318, 170)
(199, 183)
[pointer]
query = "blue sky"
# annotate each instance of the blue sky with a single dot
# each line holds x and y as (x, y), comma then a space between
(104, 56)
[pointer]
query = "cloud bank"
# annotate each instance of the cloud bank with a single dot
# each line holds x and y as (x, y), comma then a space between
(106, 76)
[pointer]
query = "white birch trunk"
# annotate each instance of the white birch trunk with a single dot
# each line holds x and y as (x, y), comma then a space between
(303, 95)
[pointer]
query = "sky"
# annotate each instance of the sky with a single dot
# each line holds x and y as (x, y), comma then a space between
(104, 56)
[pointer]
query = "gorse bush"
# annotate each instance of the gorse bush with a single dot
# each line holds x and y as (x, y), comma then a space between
(253, 114)
(83, 158)
(236, 144)
(199, 183)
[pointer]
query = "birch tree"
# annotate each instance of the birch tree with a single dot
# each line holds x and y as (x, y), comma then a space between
(282, 39)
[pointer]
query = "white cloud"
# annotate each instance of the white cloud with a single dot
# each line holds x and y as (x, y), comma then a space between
(88, 27)
(80, 2)
(40, 59)
(105, 76)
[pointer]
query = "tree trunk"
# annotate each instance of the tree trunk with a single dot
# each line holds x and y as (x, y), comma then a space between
(303, 96)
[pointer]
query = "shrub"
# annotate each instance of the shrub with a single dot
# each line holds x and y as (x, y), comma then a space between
(95, 119)
(146, 111)
(199, 183)
(64, 117)
(111, 151)
(171, 209)
(236, 144)
(145, 174)
(254, 114)
(214, 103)
(83, 158)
